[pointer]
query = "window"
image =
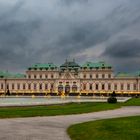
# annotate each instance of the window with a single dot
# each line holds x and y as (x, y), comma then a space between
(7, 86)
(46, 86)
(52, 76)
(1, 85)
(122, 86)
(23, 86)
(52, 86)
(29, 76)
(40, 86)
(29, 86)
(115, 87)
(40, 76)
(109, 75)
(135, 86)
(97, 76)
(13, 86)
(84, 87)
(34, 86)
(103, 86)
(128, 86)
(103, 76)
(96, 87)
(84, 75)
(46, 76)
(90, 86)
(34, 76)
(109, 86)
(90, 76)
(18, 86)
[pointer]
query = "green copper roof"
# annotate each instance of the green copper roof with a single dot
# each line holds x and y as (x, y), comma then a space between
(6, 74)
(124, 74)
(137, 73)
(96, 65)
(43, 66)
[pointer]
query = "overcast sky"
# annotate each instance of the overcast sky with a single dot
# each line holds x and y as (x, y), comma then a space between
(41, 31)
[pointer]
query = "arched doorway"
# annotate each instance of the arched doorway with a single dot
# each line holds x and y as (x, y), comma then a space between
(60, 89)
(67, 89)
(74, 88)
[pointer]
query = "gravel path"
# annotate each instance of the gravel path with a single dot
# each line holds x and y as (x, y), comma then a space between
(54, 127)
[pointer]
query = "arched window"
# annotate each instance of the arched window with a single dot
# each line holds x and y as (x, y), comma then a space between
(90, 86)
(34, 86)
(46, 86)
(96, 87)
(103, 86)
(29, 86)
(84, 87)
(74, 88)
(115, 86)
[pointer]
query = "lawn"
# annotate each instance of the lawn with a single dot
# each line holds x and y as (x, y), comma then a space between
(63, 109)
(127, 128)
(52, 110)
(132, 102)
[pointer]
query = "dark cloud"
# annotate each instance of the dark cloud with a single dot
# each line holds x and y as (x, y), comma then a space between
(51, 31)
(124, 54)
(124, 49)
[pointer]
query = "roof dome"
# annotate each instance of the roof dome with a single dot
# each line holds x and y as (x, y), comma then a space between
(70, 65)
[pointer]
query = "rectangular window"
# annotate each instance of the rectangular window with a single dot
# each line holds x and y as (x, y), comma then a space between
(97, 76)
(109, 86)
(128, 86)
(18, 86)
(23, 86)
(109, 75)
(1, 85)
(13, 86)
(7, 86)
(90, 76)
(135, 86)
(122, 86)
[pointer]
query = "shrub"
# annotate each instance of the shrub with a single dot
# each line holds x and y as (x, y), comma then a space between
(112, 100)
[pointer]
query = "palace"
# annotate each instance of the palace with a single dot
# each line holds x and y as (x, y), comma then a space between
(71, 79)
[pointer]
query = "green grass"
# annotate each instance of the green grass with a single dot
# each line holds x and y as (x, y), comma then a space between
(127, 128)
(63, 109)
(52, 110)
(132, 102)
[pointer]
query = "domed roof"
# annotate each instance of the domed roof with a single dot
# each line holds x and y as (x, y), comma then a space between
(70, 64)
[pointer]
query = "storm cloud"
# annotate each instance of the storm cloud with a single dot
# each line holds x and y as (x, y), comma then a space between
(87, 30)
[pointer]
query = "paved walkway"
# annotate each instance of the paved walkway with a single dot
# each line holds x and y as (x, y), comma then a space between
(54, 128)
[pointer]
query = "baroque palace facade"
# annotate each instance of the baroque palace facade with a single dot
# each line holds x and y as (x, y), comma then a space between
(70, 78)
